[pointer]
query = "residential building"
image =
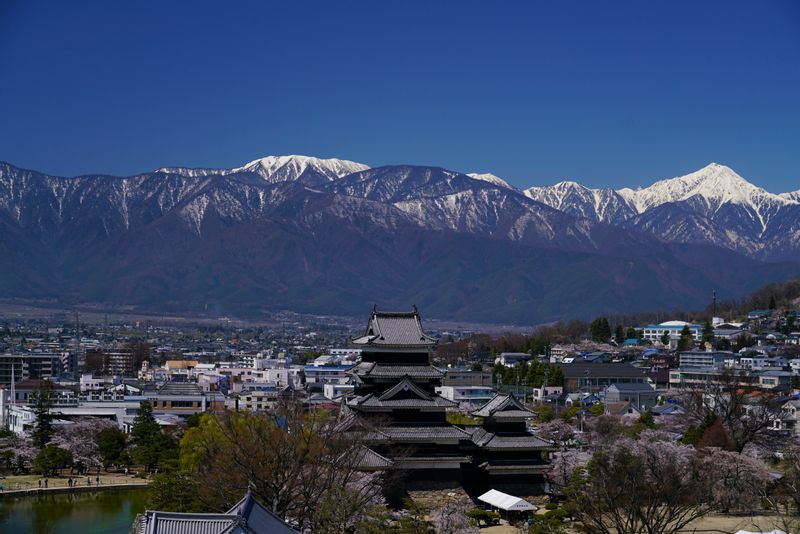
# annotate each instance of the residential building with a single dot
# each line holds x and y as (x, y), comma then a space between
(640, 395)
(597, 376)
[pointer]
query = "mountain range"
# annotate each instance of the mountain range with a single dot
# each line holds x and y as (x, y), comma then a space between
(334, 236)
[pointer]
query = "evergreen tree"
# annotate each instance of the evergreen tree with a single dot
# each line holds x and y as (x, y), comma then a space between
(50, 459)
(600, 330)
(619, 335)
(631, 333)
(111, 446)
(556, 377)
(665, 338)
(686, 341)
(43, 425)
(708, 333)
(772, 303)
(151, 446)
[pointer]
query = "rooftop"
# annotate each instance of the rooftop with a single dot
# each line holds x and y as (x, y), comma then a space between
(503, 406)
(394, 329)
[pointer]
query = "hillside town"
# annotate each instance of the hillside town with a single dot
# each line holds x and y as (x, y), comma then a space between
(449, 431)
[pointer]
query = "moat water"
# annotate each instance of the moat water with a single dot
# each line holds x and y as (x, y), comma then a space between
(102, 512)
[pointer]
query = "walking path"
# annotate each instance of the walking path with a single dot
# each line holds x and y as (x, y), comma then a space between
(23, 485)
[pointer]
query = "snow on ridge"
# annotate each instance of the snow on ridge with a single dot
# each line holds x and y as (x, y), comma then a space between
(491, 178)
(716, 184)
(288, 168)
(792, 195)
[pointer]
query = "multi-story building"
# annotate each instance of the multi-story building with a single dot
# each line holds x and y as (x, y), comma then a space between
(470, 394)
(595, 377)
(318, 376)
(464, 377)
(704, 376)
(654, 332)
(29, 365)
(694, 359)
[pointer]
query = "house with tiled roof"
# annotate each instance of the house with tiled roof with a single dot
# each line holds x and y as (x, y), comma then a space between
(248, 516)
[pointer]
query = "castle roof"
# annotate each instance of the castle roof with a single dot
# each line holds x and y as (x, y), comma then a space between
(503, 406)
(394, 329)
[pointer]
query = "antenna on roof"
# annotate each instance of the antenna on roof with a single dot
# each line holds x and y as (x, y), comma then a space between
(414, 307)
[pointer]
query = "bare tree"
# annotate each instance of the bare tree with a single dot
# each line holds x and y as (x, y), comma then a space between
(301, 465)
(784, 498)
(737, 482)
(745, 415)
(640, 487)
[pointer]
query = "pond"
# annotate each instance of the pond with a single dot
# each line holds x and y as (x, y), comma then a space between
(106, 512)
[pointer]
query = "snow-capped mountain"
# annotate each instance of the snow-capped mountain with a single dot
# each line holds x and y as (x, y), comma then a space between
(326, 236)
(273, 169)
(794, 195)
(709, 188)
(491, 178)
(306, 169)
(713, 205)
(604, 205)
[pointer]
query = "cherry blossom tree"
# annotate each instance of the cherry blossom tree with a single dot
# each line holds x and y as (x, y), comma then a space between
(737, 482)
(563, 466)
(640, 486)
(80, 438)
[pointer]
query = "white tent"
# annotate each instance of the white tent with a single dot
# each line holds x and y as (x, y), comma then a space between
(506, 502)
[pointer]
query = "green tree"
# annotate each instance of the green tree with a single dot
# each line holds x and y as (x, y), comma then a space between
(772, 303)
(150, 445)
(414, 522)
(43, 425)
(665, 338)
(708, 333)
(544, 413)
(619, 334)
(723, 344)
(50, 459)
(600, 330)
(631, 333)
(743, 340)
(597, 409)
(556, 376)
(111, 446)
(479, 515)
(173, 491)
(476, 366)
(686, 341)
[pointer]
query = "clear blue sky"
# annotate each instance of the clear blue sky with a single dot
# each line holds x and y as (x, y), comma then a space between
(608, 93)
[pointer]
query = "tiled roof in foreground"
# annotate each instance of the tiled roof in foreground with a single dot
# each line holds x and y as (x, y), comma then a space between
(247, 516)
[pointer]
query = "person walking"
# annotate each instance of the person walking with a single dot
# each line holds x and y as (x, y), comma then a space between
(45, 483)
(98, 480)
(40, 483)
